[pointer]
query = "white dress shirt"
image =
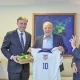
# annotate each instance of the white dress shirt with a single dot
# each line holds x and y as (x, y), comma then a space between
(48, 41)
(24, 36)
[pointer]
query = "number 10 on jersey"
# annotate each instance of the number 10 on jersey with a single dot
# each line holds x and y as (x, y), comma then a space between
(45, 65)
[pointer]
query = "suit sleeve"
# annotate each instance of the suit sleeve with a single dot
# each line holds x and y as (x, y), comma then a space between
(5, 46)
(63, 45)
(76, 53)
(73, 61)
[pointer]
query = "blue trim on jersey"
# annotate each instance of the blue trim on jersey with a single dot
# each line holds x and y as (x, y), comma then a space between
(45, 50)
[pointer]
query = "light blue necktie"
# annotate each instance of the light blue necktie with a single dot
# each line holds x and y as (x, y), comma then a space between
(22, 41)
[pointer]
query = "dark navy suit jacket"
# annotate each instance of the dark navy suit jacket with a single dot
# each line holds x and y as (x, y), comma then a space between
(76, 58)
(12, 46)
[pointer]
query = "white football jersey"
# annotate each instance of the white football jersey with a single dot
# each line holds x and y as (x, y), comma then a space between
(46, 64)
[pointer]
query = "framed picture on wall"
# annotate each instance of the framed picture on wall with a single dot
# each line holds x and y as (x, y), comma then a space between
(64, 25)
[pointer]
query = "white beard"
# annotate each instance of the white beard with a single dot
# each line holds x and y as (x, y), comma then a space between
(48, 34)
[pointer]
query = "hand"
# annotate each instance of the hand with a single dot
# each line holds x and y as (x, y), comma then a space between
(29, 50)
(15, 59)
(74, 68)
(73, 42)
(61, 48)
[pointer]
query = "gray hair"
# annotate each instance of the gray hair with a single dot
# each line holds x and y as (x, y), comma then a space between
(47, 23)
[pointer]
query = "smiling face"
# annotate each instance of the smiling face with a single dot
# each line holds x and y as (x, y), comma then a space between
(47, 28)
(22, 23)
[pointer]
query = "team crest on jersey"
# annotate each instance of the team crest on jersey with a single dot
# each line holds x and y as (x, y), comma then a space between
(45, 57)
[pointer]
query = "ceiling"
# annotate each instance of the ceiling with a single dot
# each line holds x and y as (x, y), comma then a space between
(29, 2)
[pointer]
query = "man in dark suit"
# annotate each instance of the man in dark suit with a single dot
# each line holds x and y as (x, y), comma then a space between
(49, 40)
(76, 59)
(15, 43)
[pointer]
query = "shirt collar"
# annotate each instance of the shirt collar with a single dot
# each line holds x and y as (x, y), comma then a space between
(48, 37)
(19, 32)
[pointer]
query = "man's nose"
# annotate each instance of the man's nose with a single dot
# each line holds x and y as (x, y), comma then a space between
(47, 29)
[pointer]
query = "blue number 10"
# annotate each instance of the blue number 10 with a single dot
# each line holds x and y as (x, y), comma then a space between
(45, 65)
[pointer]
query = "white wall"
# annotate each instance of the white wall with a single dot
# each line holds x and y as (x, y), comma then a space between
(9, 15)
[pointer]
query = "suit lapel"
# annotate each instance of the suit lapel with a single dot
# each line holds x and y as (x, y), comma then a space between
(17, 38)
(26, 41)
(41, 41)
(54, 40)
